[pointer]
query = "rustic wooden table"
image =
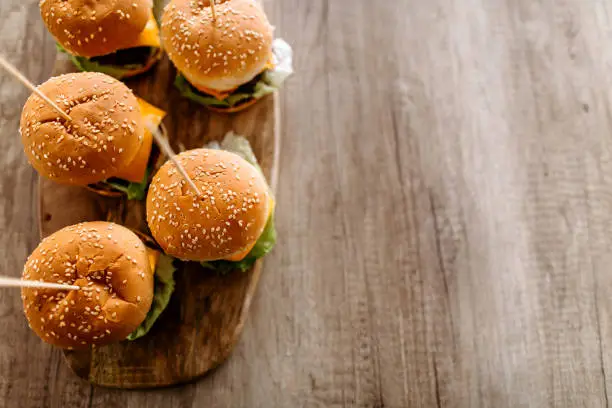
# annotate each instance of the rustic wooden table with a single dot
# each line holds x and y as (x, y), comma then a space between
(445, 214)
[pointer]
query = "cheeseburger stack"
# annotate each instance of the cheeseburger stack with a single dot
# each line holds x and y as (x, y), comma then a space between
(117, 37)
(225, 223)
(115, 272)
(106, 144)
(225, 63)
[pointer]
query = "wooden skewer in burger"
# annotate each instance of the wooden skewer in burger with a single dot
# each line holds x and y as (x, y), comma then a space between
(106, 146)
(117, 37)
(227, 59)
(8, 282)
(212, 8)
(21, 78)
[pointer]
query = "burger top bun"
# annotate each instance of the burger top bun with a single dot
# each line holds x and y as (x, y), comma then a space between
(219, 54)
(226, 219)
(93, 28)
(110, 264)
(104, 135)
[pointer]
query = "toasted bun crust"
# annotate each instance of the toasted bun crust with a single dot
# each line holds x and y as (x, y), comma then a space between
(221, 54)
(227, 218)
(240, 107)
(94, 28)
(104, 135)
(110, 263)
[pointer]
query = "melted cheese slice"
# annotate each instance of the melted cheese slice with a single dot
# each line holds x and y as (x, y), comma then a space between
(153, 257)
(135, 171)
(149, 37)
(221, 95)
(270, 64)
(239, 257)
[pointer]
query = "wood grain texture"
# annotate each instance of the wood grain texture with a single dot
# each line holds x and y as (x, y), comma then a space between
(207, 312)
(206, 315)
(445, 219)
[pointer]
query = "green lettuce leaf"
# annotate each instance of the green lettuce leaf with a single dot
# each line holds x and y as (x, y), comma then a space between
(85, 64)
(262, 247)
(189, 92)
(240, 145)
(262, 88)
(164, 287)
(134, 191)
(116, 71)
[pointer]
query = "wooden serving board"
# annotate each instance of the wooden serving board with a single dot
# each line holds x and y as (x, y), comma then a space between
(205, 317)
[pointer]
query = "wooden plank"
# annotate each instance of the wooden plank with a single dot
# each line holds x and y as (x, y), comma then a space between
(445, 218)
(434, 263)
(31, 373)
(205, 318)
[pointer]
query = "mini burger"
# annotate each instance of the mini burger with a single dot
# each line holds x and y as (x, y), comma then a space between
(227, 63)
(117, 37)
(228, 227)
(121, 289)
(106, 146)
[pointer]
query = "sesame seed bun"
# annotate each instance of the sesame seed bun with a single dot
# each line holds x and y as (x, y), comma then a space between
(219, 54)
(110, 264)
(225, 220)
(94, 28)
(104, 135)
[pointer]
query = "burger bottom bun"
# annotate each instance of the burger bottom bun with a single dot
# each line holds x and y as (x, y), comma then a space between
(154, 59)
(240, 107)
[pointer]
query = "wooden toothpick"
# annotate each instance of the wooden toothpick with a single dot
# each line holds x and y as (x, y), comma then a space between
(212, 7)
(7, 282)
(15, 72)
(165, 147)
